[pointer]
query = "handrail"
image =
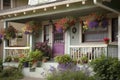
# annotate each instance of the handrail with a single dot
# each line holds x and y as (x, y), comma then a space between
(17, 48)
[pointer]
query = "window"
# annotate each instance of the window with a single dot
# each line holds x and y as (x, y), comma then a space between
(114, 29)
(95, 34)
(6, 4)
(46, 32)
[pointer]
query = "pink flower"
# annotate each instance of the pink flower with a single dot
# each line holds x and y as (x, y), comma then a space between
(106, 39)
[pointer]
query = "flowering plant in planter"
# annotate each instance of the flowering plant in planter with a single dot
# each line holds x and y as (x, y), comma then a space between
(106, 40)
(10, 33)
(1, 36)
(44, 47)
(31, 27)
(65, 23)
(95, 20)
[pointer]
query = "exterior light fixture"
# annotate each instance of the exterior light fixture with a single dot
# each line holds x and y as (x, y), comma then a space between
(34, 11)
(54, 7)
(67, 5)
(24, 13)
(15, 14)
(9, 15)
(83, 2)
(45, 9)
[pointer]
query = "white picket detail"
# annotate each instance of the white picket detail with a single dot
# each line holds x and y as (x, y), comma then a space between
(78, 52)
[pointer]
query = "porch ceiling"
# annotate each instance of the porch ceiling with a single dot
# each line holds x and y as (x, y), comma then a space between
(60, 14)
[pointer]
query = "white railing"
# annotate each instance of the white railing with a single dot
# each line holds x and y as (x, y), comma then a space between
(92, 51)
(16, 51)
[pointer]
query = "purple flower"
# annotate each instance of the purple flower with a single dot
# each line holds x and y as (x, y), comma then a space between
(93, 24)
(104, 23)
(26, 32)
(1, 36)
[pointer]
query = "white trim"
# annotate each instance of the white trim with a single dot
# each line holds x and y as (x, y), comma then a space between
(105, 7)
(12, 5)
(31, 42)
(89, 45)
(119, 37)
(41, 7)
(1, 4)
(17, 48)
(4, 42)
(53, 12)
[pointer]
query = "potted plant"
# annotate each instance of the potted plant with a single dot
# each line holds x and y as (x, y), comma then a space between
(106, 40)
(63, 59)
(10, 33)
(84, 59)
(16, 59)
(65, 23)
(43, 47)
(24, 61)
(8, 59)
(31, 27)
(45, 59)
(36, 57)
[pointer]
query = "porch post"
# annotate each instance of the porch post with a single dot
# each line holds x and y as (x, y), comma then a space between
(4, 42)
(119, 36)
(1, 4)
(31, 43)
(67, 42)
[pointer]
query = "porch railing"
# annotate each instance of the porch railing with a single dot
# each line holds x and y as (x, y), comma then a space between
(15, 51)
(93, 52)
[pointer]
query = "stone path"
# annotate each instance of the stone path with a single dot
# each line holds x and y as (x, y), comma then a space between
(29, 78)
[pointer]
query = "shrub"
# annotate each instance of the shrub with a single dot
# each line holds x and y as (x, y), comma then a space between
(11, 74)
(1, 66)
(107, 68)
(63, 59)
(69, 75)
(43, 46)
(36, 55)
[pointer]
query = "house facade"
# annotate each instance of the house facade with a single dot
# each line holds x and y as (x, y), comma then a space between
(78, 40)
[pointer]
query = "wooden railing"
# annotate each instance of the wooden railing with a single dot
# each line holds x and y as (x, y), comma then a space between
(15, 51)
(93, 52)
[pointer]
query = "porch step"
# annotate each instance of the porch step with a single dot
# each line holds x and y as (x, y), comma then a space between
(39, 72)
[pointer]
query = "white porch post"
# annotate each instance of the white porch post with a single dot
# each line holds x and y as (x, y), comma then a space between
(4, 42)
(67, 42)
(31, 43)
(119, 36)
(1, 4)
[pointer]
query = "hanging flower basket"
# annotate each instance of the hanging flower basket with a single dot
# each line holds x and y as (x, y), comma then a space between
(64, 24)
(31, 27)
(10, 33)
(95, 20)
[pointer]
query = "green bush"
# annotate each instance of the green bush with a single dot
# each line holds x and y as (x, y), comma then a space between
(106, 68)
(63, 59)
(1, 66)
(11, 74)
(36, 55)
(69, 75)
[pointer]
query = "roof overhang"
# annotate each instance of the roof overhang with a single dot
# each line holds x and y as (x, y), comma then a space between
(111, 5)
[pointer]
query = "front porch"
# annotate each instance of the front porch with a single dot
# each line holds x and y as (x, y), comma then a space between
(75, 43)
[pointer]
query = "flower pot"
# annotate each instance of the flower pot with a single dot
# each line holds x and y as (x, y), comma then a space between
(106, 42)
(26, 64)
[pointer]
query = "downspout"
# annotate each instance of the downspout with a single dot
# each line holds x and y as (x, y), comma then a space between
(105, 7)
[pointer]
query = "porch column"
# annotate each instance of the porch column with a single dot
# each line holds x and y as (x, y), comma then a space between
(4, 42)
(1, 4)
(67, 42)
(31, 42)
(119, 36)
